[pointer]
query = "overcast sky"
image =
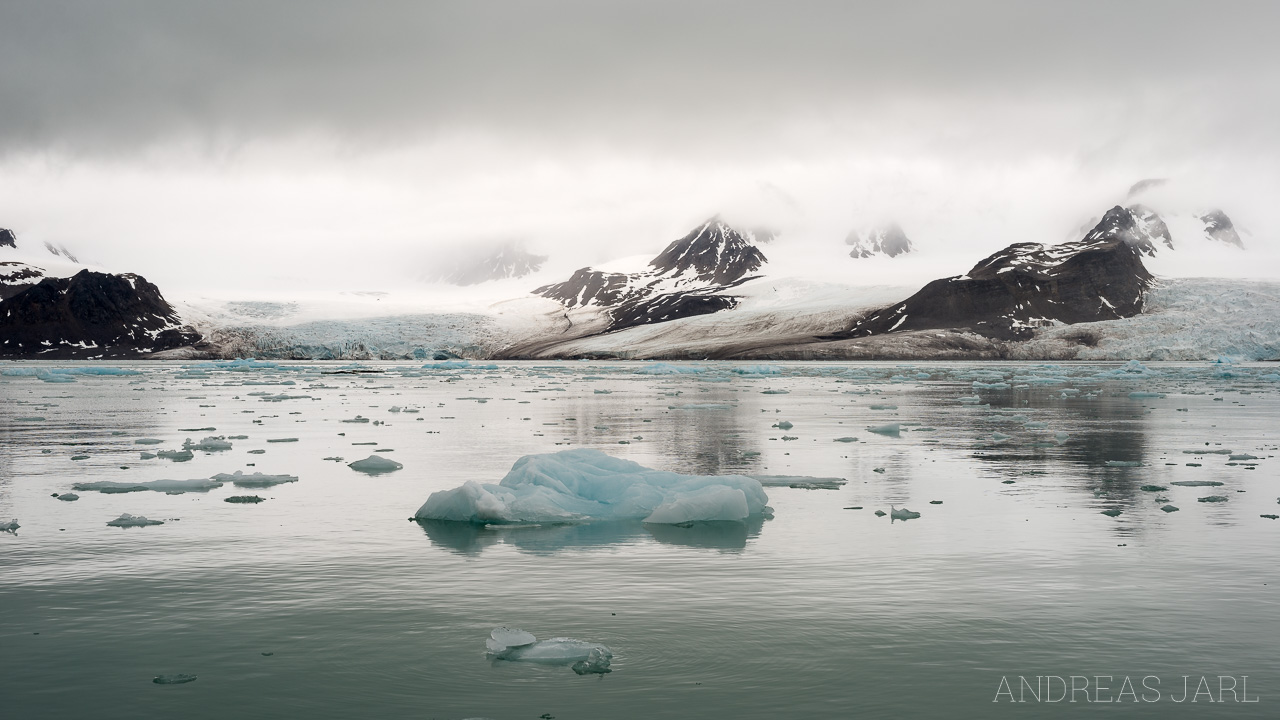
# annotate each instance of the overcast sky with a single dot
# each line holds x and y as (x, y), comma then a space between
(276, 140)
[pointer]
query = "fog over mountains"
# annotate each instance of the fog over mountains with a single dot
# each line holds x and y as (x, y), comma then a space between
(294, 178)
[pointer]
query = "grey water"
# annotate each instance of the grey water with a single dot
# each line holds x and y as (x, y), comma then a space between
(326, 601)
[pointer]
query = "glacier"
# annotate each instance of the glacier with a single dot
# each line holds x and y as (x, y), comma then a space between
(583, 485)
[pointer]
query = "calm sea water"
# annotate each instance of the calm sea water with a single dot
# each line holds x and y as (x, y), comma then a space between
(325, 601)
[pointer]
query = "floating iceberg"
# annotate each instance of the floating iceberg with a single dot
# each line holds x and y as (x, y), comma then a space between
(583, 485)
(239, 479)
(520, 646)
(209, 444)
(892, 429)
(127, 520)
(902, 514)
(804, 482)
(375, 464)
(173, 487)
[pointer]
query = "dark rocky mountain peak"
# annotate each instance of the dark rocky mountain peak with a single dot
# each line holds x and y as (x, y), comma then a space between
(713, 252)
(1217, 226)
(686, 279)
(888, 240)
(1137, 225)
(7, 238)
(1028, 285)
(90, 314)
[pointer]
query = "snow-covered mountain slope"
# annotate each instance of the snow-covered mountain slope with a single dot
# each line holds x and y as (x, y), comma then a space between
(51, 306)
(1217, 226)
(486, 262)
(689, 277)
(90, 315)
(1029, 285)
(769, 312)
(887, 240)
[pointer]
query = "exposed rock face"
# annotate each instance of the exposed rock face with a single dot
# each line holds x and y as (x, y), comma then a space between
(686, 279)
(1027, 285)
(90, 315)
(713, 253)
(7, 238)
(494, 262)
(1217, 226)
(887, 240)
(1149, 229)
(16, 277)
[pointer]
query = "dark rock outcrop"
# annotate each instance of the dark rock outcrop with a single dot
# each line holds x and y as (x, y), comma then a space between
(1027, 285)
(1148, 230)
(686, 279)
(7, 238)
(90, 315)
(16, 277)
(887, 240)
(1217, 226)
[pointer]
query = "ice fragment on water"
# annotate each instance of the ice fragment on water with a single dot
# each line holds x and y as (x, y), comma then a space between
(375, 464)
(584, 657)
(127, 520)
(584, 485)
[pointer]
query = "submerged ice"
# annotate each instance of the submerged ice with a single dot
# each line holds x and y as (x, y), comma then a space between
(584, 485)
(517, 645)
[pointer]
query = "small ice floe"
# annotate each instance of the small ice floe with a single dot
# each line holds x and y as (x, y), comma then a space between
(1170, 508)
(281, 440)
(176, 455)
(1209, 452)
(10, 527)
(1111, 513)
(1124, 463)
(374, 465)
(239, 479)
(1244, 456)
(1000, 437)
(172, 487)
(177, 679)
(802, 482)
(1196, 483)
(891, 430)
(147, 441)
(846, 439)
(896, 513)
(519, 646)
(1143, 394)
(127, 520)
(884, 407)
(68, 497)
(244, 499)
(783, 425)
(209, 444)
(587, 485)
(356, 419)
(1212, 499)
